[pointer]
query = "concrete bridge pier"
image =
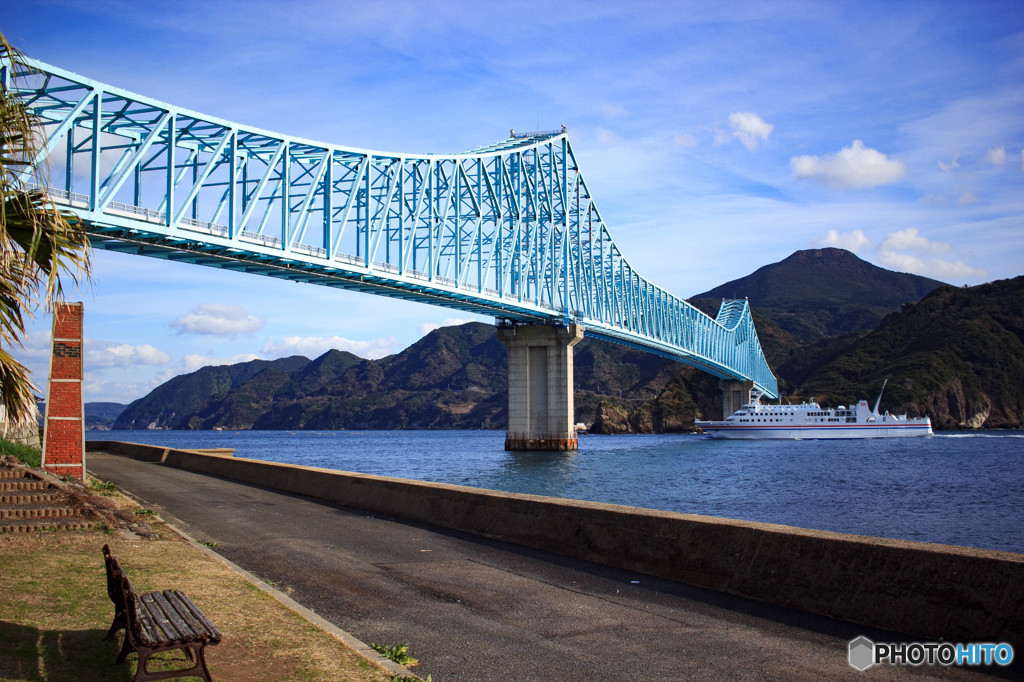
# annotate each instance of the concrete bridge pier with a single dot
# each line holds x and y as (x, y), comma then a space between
(735, 394)
(540, 386)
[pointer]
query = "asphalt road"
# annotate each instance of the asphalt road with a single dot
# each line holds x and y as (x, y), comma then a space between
(474, 609)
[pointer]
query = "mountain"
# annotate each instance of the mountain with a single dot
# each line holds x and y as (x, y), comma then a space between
(101, 416)
(957, 356)
(832, 327)
(818, 293)
(452, 378)
(173, 404)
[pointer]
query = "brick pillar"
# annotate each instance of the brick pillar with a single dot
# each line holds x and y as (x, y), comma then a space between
(64, 432)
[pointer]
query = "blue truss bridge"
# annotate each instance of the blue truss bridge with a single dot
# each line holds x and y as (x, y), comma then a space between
(509, 229)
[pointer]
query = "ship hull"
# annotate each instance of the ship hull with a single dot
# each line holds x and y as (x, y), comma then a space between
(807, 432)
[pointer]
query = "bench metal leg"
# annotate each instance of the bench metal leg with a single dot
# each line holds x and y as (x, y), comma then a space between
(126, 648)
(194, 652)
(119, 622)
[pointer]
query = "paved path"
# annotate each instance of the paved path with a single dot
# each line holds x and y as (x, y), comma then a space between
(473, 609)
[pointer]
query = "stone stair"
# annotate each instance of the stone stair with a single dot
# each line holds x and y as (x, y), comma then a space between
(29, 503)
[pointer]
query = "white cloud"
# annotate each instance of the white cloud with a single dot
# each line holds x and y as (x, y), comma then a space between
(900, 249)
(428, 327)
(911, 239)
(98, 389)
(966, 199)
(192, 362)
(952, 165)
(947, 271)
(35, 345)
(684, 140)
(605, 136)
(721, 137)
(613, 110)
(217, 319)
(934, 200)
(107, 354)
(854, 166)
(748, 128)
(164, 377)
(907, 251)
(997, 156)
(315, 346)
(851, 241)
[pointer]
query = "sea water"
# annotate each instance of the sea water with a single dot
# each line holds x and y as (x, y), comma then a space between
(960, 488)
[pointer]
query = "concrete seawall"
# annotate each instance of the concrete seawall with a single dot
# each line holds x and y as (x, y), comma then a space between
(933, 591)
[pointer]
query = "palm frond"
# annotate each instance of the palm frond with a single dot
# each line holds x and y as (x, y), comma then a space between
(17, 390)
(43, 249)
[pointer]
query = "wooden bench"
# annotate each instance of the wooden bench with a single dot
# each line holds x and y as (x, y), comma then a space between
(157, 621)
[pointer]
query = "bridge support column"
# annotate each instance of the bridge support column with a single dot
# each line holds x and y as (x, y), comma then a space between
(540, 399)
(735, 394)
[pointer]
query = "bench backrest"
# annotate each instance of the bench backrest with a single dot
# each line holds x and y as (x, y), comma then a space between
(134, 629)
(114, 575)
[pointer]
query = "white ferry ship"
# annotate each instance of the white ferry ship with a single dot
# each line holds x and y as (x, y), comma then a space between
(809, 420)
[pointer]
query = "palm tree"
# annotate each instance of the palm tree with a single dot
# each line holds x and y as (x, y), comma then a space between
(41, 246)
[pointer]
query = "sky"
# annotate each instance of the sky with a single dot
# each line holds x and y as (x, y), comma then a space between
(715, 138)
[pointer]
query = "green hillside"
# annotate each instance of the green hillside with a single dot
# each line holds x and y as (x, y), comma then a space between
(955, 355)
(818, 293)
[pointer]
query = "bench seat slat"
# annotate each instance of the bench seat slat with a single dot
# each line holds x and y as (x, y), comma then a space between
(199, 616)
(191, 615)
(182, 617)
(186, 633)
(149, 633)
(168, 631)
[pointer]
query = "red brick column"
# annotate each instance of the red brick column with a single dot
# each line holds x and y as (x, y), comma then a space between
(64, 434)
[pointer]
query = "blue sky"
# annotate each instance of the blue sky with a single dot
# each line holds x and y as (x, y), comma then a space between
(715, 140)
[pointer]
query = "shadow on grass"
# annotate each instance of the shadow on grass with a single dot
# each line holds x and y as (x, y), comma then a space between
(28, 653)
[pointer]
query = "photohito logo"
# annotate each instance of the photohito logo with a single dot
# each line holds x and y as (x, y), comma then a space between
(864, 653)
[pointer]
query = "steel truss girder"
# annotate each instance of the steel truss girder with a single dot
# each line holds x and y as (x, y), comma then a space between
(509, 230)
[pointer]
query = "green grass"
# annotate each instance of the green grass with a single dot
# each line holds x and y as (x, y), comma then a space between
(26, 453)
(105, 488)
(399, 653)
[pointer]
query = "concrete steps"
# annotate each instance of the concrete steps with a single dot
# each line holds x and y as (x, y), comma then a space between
(29, 503)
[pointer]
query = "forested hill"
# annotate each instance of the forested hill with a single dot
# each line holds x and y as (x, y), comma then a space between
(818, 293)
(454, 377)
(955, 355)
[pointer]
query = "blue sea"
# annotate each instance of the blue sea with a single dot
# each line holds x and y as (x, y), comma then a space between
(954, 488)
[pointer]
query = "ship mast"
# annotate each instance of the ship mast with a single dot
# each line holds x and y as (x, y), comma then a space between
(877, 402)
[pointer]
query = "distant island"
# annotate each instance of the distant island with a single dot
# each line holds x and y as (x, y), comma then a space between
(833, 327)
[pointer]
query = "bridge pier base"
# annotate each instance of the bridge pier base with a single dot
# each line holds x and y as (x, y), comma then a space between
(540, 386)
(735, 394)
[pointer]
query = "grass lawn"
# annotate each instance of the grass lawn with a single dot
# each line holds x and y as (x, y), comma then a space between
(54, 612)
(26, 453)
